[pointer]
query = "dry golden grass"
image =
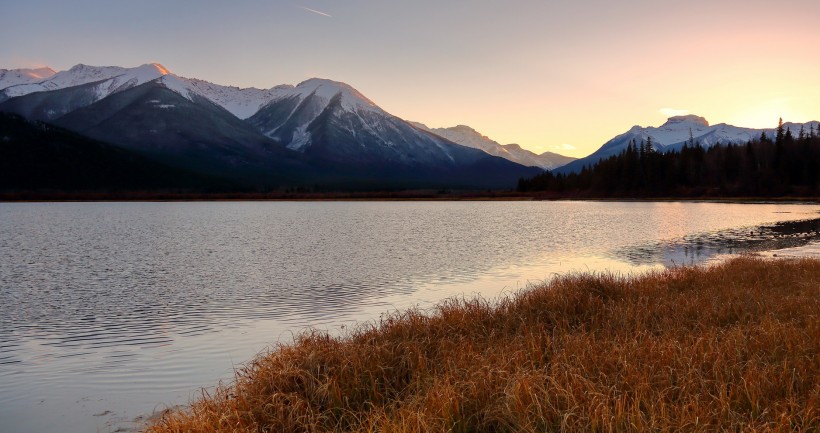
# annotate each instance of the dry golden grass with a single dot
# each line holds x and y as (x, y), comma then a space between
(734, 347)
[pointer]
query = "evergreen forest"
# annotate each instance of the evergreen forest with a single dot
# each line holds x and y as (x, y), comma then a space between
(787, 164)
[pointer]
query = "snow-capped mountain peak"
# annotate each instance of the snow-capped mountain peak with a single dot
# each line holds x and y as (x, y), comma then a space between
(676, 129)
(351, 99)
(288, 116)
(15, 77)
(685, 122)
(84, 74)
(39, 73)
(110, 78)
(162, 69)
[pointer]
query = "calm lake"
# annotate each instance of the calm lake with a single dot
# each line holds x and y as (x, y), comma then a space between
(109, 311)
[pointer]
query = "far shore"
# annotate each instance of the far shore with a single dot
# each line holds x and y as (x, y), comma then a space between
(412, 195)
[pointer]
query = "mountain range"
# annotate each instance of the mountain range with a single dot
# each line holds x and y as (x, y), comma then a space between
(676, 132)
(319, 132)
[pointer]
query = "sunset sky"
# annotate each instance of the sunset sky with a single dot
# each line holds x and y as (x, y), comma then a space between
(557, 76)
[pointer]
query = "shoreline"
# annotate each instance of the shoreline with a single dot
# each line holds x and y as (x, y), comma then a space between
(811, 251)
(408, 196)
(532, 359)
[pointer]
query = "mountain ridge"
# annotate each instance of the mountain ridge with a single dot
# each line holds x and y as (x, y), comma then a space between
(244, 103)
(317, 131)
(467, 136)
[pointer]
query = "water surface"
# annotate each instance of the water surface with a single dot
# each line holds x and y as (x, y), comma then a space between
(109, 311)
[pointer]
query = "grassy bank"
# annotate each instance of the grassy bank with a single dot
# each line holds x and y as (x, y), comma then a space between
(735, 347)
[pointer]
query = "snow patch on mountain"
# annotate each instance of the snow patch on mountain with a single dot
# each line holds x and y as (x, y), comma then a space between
(173, 83)
(242, 103)
(300, 139)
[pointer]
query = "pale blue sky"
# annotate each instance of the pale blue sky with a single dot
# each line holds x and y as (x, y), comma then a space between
(543, 74)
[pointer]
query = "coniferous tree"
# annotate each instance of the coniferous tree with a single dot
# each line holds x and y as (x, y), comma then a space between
(781, 133)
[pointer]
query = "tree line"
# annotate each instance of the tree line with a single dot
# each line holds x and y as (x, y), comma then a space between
(787, 164)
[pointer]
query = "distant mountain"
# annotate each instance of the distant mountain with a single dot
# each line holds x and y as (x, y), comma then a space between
(36, 156)
(673, 134)
(466, 136)
(558, 159)
(318, 132)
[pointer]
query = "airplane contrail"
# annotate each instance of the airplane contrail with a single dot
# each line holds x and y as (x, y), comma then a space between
(316, 12)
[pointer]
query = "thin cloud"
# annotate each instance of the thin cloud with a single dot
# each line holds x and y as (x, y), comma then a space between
(670, 112)
(565, 146)
(316, 12)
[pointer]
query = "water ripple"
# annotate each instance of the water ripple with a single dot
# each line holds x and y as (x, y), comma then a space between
(115, 307)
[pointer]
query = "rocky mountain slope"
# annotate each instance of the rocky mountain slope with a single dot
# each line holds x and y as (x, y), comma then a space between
(319, 131)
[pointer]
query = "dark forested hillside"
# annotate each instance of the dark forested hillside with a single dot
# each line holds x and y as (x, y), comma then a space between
(38, 156)
(787, 164)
